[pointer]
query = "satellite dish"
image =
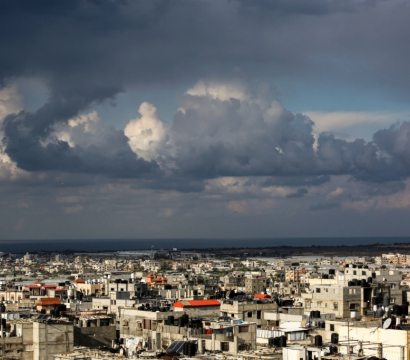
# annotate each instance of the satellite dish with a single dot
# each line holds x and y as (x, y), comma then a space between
(387, 324)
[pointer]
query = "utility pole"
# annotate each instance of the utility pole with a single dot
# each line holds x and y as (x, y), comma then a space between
(348, 339)
(2, 330)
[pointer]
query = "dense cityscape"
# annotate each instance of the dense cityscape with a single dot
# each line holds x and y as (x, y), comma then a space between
(172, 304)
(205, 179)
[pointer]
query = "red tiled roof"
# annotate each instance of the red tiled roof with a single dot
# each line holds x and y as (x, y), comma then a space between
(49, 301)
(196, 303)
(79, 281)
(262, 296)
(32, 287)
(49, 286)
(60, 290)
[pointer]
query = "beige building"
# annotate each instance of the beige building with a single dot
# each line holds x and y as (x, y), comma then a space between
(292, 275)
(230, 336)
(249, 311)
(334, 299)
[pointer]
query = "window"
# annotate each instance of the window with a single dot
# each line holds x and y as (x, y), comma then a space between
(259, 314)
(249, 313)
(354, 272)
(319, 304)
(224, 346)
(203, 344)
(352, 291)
(147, 324)
(243, 329)
(335, 306)
(332, 327)
(363, 272)
(352, 306)
(308, 304)
(318, 290)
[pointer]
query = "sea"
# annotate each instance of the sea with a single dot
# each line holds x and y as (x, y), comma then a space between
(107, 245)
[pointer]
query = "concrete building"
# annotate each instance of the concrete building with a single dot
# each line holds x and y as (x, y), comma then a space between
(35, 340)
(231, 335)
(250, 311)
(335, 299)
(233, 282)
(93, 328)
(256, 285)
(292, 275)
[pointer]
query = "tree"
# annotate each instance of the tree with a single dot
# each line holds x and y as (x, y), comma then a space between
(165, 265)
(71, 278)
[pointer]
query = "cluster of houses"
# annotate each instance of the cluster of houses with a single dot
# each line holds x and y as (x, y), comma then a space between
(195, 306)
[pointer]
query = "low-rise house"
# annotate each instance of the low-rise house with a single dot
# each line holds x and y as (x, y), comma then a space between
(250, 311)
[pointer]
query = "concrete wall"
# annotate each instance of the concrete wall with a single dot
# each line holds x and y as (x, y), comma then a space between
(394, 342)
(243, 310)
(51, 339)
(94, 336)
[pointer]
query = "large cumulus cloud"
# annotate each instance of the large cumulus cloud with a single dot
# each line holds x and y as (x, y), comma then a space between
(230, 128)
(233, 128)
(87, 52)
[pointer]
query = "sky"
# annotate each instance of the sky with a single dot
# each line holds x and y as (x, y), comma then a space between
(204, 119)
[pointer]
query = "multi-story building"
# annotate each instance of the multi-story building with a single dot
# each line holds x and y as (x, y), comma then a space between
(334, 299)
(284, 263)
(379, 260)
(256, 285)
(292, 275)
(233, 282)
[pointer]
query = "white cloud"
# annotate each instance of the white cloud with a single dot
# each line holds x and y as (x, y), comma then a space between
(342, 120)
(220, 90)
(335, 193)
(10, 101)
(89, 121)
(146, 133)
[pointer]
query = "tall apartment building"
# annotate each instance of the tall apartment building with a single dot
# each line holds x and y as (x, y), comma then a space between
(292, 275)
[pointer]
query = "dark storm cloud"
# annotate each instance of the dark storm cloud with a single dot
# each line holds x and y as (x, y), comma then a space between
(298, 194)
(256, 136)
(110, 155)
(89, 51)
(324, 206)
